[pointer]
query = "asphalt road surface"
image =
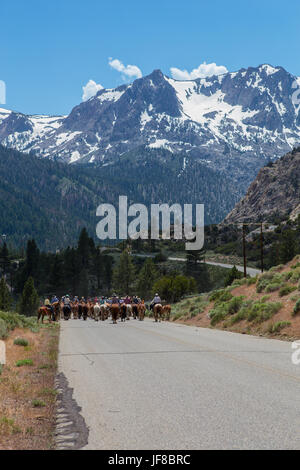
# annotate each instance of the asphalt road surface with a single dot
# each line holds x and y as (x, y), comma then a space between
(147, 385)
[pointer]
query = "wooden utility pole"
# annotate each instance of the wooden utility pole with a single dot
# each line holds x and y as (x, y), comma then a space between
(244, 250)
(261, 248)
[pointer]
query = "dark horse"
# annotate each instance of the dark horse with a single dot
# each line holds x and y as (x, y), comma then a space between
(85, 311)
(67, 312)
(123, 309)
(56, 311)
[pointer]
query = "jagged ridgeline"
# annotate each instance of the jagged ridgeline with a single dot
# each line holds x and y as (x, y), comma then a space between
(274, 194)
(52, 201)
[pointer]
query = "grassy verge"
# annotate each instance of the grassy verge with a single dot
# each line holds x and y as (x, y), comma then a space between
(27, 390)
(266, 305)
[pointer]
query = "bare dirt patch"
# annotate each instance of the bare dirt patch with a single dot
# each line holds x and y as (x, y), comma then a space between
(27, 393)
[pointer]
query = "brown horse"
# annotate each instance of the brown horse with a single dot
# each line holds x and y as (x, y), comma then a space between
(158, 313)
(56, 308)
(74, 308)
(43, 312)
(166, 310)
(142, 311)
(114, 310)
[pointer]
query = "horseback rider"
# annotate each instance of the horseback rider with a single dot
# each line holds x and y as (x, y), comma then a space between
(48, 305)
(115, 299)
(156, 300)
(54, 299)
(127, 300)
(67, 306)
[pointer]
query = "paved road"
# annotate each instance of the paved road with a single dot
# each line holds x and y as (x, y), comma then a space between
(143, 385)
(252, 272)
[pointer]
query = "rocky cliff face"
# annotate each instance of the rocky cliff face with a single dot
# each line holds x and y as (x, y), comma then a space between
(275, 192)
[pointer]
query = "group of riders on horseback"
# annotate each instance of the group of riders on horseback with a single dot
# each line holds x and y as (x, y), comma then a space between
(102, 308)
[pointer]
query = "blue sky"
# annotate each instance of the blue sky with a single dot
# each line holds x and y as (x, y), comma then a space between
(50, 49)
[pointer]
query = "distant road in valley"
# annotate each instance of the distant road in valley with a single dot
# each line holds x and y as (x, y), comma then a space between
(251, 271)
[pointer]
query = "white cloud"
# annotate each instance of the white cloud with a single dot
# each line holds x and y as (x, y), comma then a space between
(90, 89)
(127, 71)
(204, 70)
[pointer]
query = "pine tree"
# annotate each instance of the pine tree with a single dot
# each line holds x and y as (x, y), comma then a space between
(32, 259)
(57, 275)
(5, 297)
(124, 273)
(84, 248)
(146, 279)
(288, 246)
(4, 258)
(197, 268)
(233, 274)
(29, 302)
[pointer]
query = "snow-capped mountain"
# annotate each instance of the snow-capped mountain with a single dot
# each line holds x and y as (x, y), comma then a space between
(236, 120)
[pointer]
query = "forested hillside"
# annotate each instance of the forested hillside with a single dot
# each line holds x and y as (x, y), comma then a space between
(51, 201)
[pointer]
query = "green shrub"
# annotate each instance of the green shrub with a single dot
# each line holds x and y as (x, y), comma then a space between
(287, 289)
(222, 295)
(216, 316)
(295, 277)
(241, 315)
(21, 342)
(15, 320)
(24, 362)
(296, 308)
(272, 287)
(3, 329)
(38, 403)
(262, 284)
(277, 268)
(261, 311)
(278, 326)
(235, 304)
(295, 266)
(251, 280)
